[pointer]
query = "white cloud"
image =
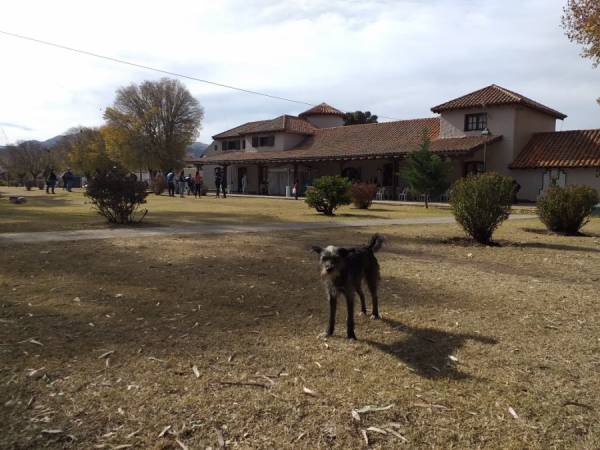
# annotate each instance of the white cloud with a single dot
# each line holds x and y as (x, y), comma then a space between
(395, 58)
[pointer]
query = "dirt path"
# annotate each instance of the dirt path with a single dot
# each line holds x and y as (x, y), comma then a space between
(78, 235)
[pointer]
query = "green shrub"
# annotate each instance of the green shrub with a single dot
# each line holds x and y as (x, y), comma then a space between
(426, 173)
(328, 193)
(117, 195)
(480, 203)
(29, 184)
(567, 209)
(363, 194)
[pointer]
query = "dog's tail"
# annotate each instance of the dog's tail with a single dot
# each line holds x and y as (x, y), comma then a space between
(375, 243)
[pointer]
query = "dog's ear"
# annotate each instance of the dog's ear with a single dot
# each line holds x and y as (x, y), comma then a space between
(343, 252)
(316, 249)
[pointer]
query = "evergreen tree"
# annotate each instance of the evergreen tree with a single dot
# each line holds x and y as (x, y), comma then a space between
(427, 173)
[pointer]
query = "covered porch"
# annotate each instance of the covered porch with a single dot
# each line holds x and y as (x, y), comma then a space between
(276, 177)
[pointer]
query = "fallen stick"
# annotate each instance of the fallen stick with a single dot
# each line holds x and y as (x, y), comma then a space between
(243, 383)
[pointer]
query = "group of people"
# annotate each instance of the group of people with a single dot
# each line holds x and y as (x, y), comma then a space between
(52, 181)
(184, 184)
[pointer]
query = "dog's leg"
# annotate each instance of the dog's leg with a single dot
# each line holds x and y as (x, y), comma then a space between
(332, 308)
(372, 279)
(361, 295)
(349, 294)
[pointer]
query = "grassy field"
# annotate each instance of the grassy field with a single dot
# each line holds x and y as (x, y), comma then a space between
(194, 341)
(69, 211)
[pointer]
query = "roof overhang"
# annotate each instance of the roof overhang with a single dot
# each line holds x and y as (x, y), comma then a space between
(443, 147)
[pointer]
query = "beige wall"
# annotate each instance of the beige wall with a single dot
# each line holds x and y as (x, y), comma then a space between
(528, 122)
(531, 181)
(325, 121)
(501, 121)
(516, 124)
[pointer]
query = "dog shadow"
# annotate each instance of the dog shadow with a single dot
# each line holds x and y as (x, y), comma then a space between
(427, 350)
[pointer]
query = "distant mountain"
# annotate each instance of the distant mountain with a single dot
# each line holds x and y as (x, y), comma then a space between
(197, 149)
(49, 143)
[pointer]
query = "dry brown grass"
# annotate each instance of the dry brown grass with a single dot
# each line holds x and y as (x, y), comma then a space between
(69, 211)
(522, 320)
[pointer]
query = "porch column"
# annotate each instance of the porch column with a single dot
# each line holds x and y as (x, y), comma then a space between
(395, 170)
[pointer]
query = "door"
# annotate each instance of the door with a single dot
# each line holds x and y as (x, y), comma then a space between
(241, 172)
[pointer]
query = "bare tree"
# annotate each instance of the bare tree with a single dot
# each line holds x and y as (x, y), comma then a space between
(26, 158)
(150, 125)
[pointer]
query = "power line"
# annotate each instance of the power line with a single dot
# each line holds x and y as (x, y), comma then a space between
(155, 69)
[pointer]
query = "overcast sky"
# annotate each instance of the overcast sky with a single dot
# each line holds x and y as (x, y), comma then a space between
(394, 58)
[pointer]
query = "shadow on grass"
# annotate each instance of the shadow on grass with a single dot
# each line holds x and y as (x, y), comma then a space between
(545, 232)
(427, 350)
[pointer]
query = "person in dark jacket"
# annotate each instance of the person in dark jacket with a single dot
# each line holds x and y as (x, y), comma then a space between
(224, 182)
(67, 180)
(51, 182)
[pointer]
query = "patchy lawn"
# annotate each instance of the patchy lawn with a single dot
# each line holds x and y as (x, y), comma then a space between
(70, 211)
(479, 347)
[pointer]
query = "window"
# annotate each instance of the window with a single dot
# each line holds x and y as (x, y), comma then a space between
(263, 141)
(473, 167)
(476, 122)
(231, 145)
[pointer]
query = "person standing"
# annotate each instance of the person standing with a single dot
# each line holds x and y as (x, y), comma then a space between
(296, 189)
(224, 182)
(51, 182)
(171, 183)
(218, 181)
(68, 180)
(244, 183)
(182, 183)
(198, 184)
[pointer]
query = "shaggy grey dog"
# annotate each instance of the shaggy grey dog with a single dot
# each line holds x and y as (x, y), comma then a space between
(342, 271)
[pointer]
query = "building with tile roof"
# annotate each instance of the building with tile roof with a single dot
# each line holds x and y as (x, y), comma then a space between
(491, 129)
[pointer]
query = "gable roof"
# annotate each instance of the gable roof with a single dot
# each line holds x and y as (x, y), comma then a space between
(287, 123)
(377, 140)
(495, 95)
(577, 148)
(322, 109)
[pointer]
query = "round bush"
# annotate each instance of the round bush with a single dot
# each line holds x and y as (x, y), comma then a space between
(480, 203)
(567, 209)
(363, 194)
(117, 195)
(328, 193)
(29, 184)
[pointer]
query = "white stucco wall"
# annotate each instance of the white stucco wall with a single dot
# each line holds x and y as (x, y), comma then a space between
(501, 120)
(532, 180)
(528, 122)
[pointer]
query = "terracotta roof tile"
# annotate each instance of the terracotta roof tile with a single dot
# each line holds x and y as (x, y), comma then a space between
(578, 148)
(287, 123)
(322, 109)
(495, 95)
(389, 139)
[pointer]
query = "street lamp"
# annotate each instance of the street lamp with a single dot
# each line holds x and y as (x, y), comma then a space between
(485, 133)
